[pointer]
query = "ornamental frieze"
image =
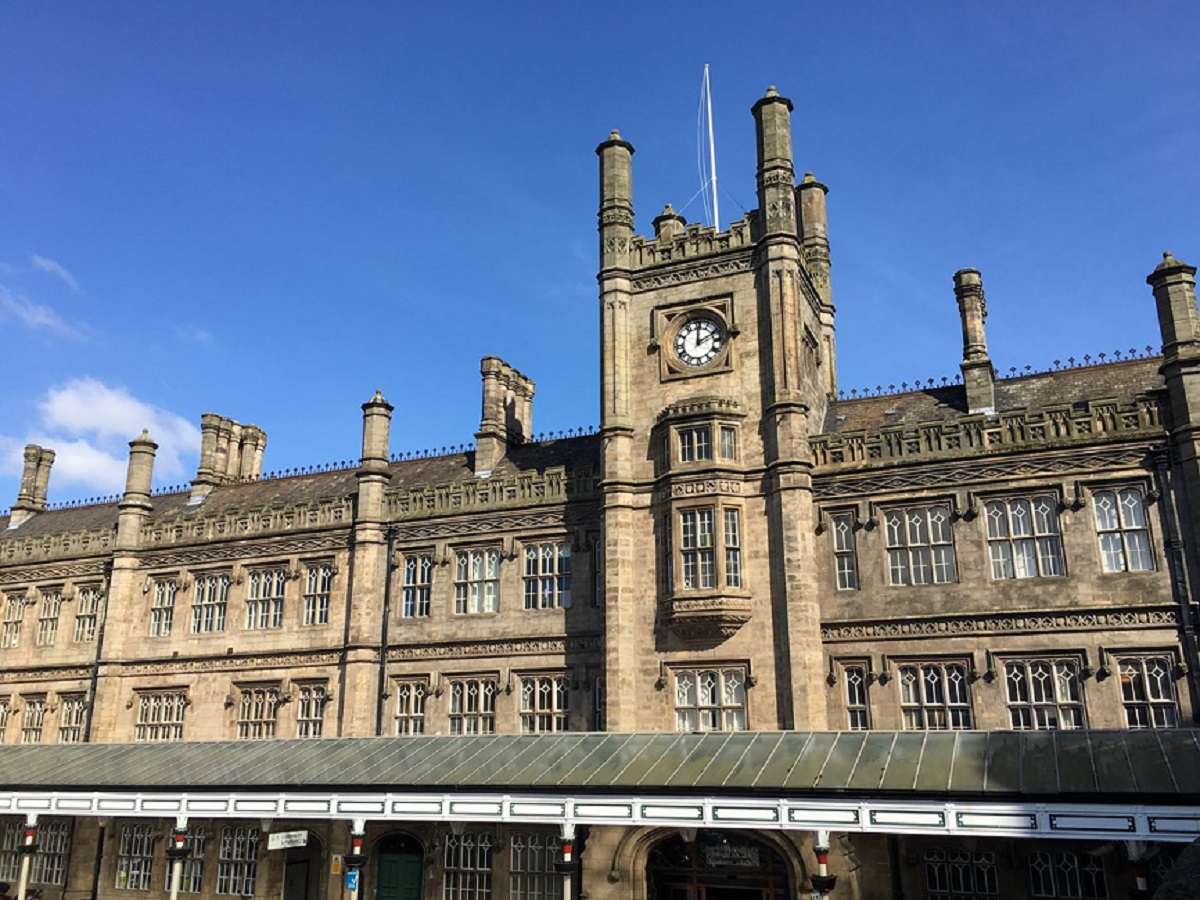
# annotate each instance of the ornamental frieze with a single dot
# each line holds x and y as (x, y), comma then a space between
(982, 435)
(555, 484)
(42, 673)
(89, 569)
(15, 551)
(231, 663)
(248, 523)
(515, 647)
(994, 623)
(826, 487)
(320, 543)
(687, 273)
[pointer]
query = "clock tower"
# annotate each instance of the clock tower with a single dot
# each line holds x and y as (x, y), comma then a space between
(717, 362)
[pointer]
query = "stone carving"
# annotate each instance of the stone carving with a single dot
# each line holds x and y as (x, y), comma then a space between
(232, 663)
(617, 216)
(1040, 622)
(690, 273)
(943, 475)
(57, 546)
(978, 435)
(325, 543)
(706, 620)
(488, 526)
(555, 484)
(67, 572)
(514, 647)
(244, 523)
(616, 244)
(42, 673)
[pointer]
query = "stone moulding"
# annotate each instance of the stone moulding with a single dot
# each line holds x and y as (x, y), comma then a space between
(980, 435)
(307, 545)
(331, 513)
(513, 647)
(290, 660)
(57, 546)
(993, 623)
(555, 484)
(706, 620)
(43, 673)
(922, 477)
(89, 570)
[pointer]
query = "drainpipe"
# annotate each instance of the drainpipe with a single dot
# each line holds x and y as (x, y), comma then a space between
(95, 674)
(102, 824)
(1178, 572)
(383, 635)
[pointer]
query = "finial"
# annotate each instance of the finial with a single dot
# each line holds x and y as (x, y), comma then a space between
(668, 210)
(145, 435)
(771, 92)
(614, 135)
(808, 176)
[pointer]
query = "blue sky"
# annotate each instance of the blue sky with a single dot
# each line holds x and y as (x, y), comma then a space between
(269, 210)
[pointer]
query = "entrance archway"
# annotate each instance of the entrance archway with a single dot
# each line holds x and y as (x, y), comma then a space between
(717, 865)
(302, 870)
(401, 868)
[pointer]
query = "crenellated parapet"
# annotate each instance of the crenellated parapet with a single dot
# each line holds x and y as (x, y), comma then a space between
(1088, 423)
(694, 241)
(555, 484)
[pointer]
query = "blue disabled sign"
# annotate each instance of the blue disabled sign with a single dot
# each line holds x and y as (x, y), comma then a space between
(352, 880)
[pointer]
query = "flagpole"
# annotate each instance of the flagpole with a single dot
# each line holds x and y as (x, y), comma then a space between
(712, 150)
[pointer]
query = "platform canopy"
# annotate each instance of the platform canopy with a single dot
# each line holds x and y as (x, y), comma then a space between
(1131, 785)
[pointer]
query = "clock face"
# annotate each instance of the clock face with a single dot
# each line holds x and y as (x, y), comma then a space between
(699, 340)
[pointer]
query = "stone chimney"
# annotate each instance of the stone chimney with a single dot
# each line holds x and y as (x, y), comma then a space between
(507, 416)
(776, 176)
(135, 504)
(229, 452)
(35, 478)
(979, 377)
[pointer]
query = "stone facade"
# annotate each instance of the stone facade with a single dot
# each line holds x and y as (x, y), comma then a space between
(737, 547)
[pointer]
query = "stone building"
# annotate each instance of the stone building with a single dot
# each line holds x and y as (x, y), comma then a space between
(747, 636)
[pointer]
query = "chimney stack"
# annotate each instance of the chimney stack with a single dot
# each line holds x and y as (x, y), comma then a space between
(507, 415)
(35, 479)
(230, 452)
(979, 377)
(135, 504)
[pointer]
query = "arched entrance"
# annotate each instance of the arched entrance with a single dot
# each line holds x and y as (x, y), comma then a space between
(717, 865)
(302, 871)
(401, 868)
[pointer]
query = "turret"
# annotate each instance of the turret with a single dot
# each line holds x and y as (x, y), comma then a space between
(372, 471)
(776, 176)
(979, 377)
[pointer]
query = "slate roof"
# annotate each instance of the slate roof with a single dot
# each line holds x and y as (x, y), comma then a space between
(571, 453)
(1150, 766)
(1121, 381)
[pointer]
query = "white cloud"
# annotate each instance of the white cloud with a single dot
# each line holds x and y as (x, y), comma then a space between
(33, 315)
(56, 269)
(89, 424)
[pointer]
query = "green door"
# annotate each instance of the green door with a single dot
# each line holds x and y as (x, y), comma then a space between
(399, 877)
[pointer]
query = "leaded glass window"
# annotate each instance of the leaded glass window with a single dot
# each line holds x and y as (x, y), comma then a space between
(417, 582)
(135, 857)
(1043, 694)
(477, 581)
(410, 706)
(531, 870)
(960, 875)
(935, 696)
(858, 712)
(210, 602)
(160, 716)
(1148, 691)
(1023, 537)
(318, 585)
(14, 616)
(33, 718)
(845, 552)
(237, 866)
(47, 626)
(473, 706)
(710, 699)
(545, 703)
(548, 575)
(1123, 530)
(191, 874)
(310, 710)
(467, 867)
(920, 545)
(87, 610)
(72, 711)
(256, 713)
(1066, 876)
(264, 598)
(162, 608)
